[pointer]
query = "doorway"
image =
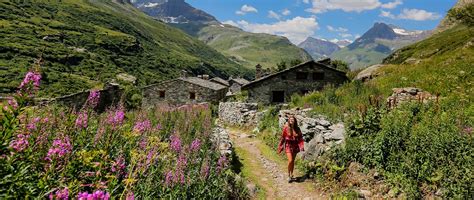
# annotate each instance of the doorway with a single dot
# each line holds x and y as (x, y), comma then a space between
(278, 96)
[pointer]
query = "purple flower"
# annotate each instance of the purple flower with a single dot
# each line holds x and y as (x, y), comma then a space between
(130, 196)
(175, 143)
(21, 143)
(81, 121)
(12, 102)
(32, 125)
(119, 165)
(116, 118)
(142, 126)
(60, 194)
(31, 77)
(168, 178)
(94, 97)
(97, 195)
(222, 163)
(195, 145)
(59, 149)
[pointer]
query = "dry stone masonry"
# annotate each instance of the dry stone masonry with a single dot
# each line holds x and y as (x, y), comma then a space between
(319, 133)
(239, 114)
(402, 95)
(221, 138)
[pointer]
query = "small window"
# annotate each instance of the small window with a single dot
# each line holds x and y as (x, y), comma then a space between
(278, 96)
(192, 95)
(304, 92)
(162, 94)
(283, 77)
(301, 75)
(318, 76)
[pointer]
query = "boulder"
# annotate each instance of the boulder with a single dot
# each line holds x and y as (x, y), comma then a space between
(368, 73)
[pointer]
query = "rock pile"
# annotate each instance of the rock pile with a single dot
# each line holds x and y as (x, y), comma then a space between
(402, 95)
(319, 134)
(221, 138)
(241, 114)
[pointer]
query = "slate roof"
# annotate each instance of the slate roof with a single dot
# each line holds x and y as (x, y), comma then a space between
(203, 83)
(240, 81)
(320, 63)
(220, 80)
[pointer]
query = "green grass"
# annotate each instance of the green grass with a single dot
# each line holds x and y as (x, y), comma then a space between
(117, 38)
(247, 170)
(360, 57)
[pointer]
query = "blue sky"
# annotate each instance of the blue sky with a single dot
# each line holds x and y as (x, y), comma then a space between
(327, 19)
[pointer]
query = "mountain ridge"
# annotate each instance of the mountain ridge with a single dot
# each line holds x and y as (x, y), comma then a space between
(319, 48)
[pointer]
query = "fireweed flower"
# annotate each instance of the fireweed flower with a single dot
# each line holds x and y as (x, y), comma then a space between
(130, 196)
(168, 178)
(195, 145)
(116, 117)
(221, 163)
(118, 165)
(20, 143)
(94, 97)
(31, 77)
(32, 125)
(142, 126)
(175, 143)
(97, 195)
(59, 149)
(81, 120)
(60, 194)
(205, 170)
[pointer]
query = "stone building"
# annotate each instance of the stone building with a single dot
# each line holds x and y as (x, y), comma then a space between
(236, 84)
(302, 78)
(183, 90)
(220, 81)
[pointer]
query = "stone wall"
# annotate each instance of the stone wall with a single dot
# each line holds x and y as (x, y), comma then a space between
(177, 92)
(290, 84)
(319, 133)
(220, 137)
(240, 114)
(402, 95)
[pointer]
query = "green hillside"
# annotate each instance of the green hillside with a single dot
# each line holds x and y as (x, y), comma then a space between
(360, 57)
(250, 49)
(86, 43)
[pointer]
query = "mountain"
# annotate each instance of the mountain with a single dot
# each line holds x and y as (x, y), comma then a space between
(319, 48)
(87, 43)
(376, 44)
(247, 49)
(448, 21)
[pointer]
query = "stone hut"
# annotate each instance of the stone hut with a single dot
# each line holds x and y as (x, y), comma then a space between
(302, 78)
(236, 84)
(183, 90)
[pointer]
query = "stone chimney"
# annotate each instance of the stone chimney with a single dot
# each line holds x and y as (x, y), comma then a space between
(258, 71)
(205, 77)
(184, 74)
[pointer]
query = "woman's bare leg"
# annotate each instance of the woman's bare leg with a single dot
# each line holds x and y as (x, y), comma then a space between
(291, 166)
(290, 163)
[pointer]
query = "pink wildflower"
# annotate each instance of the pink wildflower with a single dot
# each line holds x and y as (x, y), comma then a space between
(81, 121)
(142, 126)
(130, 196)
(94, 97)
(59, 149)
(31, 77)
(195, 145)
(21, 143)
(222, 163)
(175, 143)
(60, 194)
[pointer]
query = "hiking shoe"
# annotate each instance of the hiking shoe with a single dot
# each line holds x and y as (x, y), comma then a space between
(289, 179)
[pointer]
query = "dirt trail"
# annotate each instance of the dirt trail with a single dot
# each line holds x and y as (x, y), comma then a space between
(270, 174)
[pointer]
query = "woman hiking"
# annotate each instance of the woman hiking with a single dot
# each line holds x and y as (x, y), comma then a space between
(292, 142)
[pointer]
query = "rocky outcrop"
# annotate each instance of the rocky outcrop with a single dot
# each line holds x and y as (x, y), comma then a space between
(368, 73)
(220, 137)
(240, 114)
(319, 133)
(402, 95)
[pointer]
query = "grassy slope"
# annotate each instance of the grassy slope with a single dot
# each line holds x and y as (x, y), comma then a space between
(251, 49)
(117, 38)
(359, 58)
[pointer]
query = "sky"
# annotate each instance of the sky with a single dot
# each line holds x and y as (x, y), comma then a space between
(326, 19)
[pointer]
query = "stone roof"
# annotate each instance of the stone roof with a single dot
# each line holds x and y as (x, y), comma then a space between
(240, 81)
(203, 83)
(320, 63)
(220, 81)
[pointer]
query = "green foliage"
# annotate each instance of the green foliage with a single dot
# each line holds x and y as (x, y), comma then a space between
(340, 65)
(269, 128)
(285, 64)
(464, 14)
(86, 43)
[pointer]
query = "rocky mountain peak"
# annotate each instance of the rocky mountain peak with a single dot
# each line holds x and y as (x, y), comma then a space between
(173, 11)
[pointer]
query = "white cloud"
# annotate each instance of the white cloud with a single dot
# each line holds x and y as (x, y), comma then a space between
(273, 14)
(418, 15)
(321, 6)
(392, 5)
(338, 29)
(296, 29)
(230, 22)
(286, 12)
(345, 35)
(246, 9)
(412, 14)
